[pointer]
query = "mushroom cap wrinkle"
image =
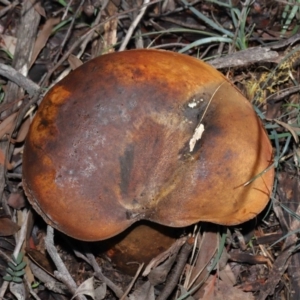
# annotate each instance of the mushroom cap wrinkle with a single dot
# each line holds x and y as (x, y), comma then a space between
(145, 134)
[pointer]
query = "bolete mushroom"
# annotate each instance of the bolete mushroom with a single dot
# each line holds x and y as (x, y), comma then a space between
(145, 134)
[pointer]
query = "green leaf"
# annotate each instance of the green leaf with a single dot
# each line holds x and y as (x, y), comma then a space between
(10, 272)
(7, 278)
(205, 41)
(17, 279)
(35, 285)
(12, 266)
(21, 266)
(7, 53)
(19, 258)
(19, 273)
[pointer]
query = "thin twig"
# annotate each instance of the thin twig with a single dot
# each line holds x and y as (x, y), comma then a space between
(16, 77)
(4, 256)
(245, 57)
(51, 283)
(282, 94)
(68, 33)
(132, 281)
(133, 26)
(5, 2)
(67, 10)
(240, 20)
(8, 8)
(176, 272)
(62, 274)
(98, 273)
(34, 295)
(22, 234)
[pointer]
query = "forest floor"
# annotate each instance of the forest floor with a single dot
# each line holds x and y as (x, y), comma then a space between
(255, 44)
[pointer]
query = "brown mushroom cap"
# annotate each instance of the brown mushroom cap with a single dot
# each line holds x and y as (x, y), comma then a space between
(112, 144)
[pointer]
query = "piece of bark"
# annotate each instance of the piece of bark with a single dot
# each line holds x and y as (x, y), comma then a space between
(26, 35)
(20, 80)
(245, 57)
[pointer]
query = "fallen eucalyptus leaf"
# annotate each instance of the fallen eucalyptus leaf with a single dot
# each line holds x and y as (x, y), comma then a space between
(86, 288)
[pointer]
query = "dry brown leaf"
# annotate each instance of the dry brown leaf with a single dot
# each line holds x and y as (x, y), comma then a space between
(110, 35)
(145, 291)
(8, 227)
(86, 288)
(100, 292)
(8, 43)
(23, 131)
(223, 291)
(29, 275)
(216, 289)
(41, 260)
(2, 157)
(209, 288)
(7, 124)
(18, 290)
(183, 292)
(43, 38)
(207, 247)
(249, 258)
(74, 61)
(164, 255)
(3, 161)
(38, 7)
(291, 129)
(227, 275)
(10, 105)
(168, 6)
(110, 29)
(159, 274)
(16, 200)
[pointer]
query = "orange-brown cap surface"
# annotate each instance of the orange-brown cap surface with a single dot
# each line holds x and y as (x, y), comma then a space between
(145, 134)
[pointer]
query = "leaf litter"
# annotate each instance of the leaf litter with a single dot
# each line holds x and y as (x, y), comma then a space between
(267, 264)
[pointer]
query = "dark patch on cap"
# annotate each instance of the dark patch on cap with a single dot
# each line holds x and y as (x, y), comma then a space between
(126, 164)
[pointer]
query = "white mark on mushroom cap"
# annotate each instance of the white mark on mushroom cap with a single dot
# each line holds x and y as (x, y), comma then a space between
(194, 103)
(196, 136)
